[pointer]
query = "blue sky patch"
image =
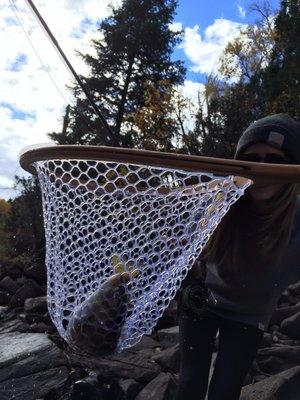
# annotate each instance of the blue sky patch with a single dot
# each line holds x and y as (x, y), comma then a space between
(18, 63)
(17, 113)
(84, 26)
(10, 21)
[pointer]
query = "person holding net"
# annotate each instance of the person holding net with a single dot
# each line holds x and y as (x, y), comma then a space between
(250, 259)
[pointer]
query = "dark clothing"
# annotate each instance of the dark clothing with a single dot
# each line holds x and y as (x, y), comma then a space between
(238, 343)
(242, 314)
(254, 298)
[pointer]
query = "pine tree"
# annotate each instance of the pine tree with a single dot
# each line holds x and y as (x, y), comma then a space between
(135, 48)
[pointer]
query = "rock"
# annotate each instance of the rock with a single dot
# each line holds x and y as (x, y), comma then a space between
(3, 311)
(36, 305)
(281, 336)
(286, 341)
(28, 290)
(169, 359)
(41, 327)
(163, 387)
(30, 365)
(294, 289)
(273, 365)
(124, 365)
(13, 325)
(283, 386)
(267, 340)
(147, 342)
(149, 353)
(33, 318)
(8, 285)
(288, 353)
(291, 326)
(34, 386)
(85, 389)
(168, 337)
(131, 388)
(20, 281)
(95, 388)
(3, 271)
(10, 269)
(5, 298)
(284, 312)
(25, 353)
(258, 378)
(37, 272)
(277, 359)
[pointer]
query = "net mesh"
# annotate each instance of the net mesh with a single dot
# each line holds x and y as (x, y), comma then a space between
(120, 238)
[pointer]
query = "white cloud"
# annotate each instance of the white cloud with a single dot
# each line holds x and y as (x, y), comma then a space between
(204, 52)
(241, 11)
(175, 26)
(30, 105)
(192, 90)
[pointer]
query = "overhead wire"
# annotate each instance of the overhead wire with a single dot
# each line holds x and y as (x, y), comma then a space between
(111, 134)
(47, 68)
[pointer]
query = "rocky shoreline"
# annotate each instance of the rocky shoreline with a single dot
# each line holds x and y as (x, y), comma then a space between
(36, 364)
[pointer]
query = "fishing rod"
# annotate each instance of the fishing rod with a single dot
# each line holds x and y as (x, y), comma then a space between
(112, 135)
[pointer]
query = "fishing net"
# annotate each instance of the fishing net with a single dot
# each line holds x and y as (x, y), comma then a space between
(120, 238)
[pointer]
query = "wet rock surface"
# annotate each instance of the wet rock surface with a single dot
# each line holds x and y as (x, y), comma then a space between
(35, 363)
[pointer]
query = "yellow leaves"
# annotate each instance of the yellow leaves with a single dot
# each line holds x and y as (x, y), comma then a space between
(157, 121)
(5, 207)
(250, 51)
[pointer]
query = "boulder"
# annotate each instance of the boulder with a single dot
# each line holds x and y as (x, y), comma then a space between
(37, 272)
(36, 305)
(125, 365)
(30, 365)
(283, 386)
(13, 324)
(289, 353)
(163, 387)
(168, 359)
(291, 326)
(284, 312)
(11, 269)
(146, 342)
(168, 337)
(8, 285)
(131, 388)
(5, 298)
(28, 290)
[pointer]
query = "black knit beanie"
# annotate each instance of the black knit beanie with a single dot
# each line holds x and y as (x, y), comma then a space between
(278, 130)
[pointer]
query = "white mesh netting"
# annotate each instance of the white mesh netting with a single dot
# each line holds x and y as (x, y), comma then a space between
(120, 239)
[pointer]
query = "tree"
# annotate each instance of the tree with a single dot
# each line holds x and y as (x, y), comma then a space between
(281, 79)
(136, 48)
(161, 122)
(224, 111)
(4, 212)
(24, 222)
(261, 75)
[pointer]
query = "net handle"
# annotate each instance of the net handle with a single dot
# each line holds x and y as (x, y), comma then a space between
(219, 166)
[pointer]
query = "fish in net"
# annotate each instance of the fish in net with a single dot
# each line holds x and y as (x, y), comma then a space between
(120, 239)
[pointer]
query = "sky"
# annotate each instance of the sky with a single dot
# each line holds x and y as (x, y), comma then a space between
(33, 92)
